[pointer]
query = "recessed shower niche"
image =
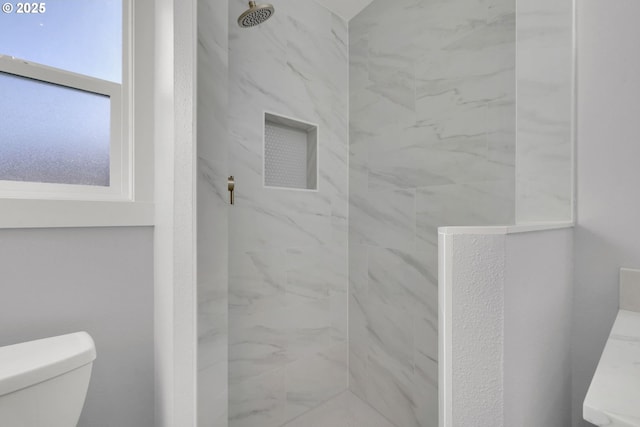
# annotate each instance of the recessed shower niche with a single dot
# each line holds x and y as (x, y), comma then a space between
(290, 153)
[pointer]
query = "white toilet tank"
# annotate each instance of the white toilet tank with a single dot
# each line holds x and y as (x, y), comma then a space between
(43, 383)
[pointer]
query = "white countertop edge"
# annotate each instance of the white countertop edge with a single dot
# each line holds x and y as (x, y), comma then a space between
(602, 418)
(605, 400)
(504, 229)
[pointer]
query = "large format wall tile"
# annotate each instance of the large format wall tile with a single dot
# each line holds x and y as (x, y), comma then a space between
(432, 143)
(312, 273)
(257, 344)
(259, 401)
(344, 410)
(545, 76)
(383, 218)
(425, 389)
(390, 391)
(313, 380)
(258, 282)
(485, 203)
(288, 274)
(212, 411)
(212, 274)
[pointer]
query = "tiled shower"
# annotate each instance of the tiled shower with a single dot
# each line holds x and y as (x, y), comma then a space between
(330, 287)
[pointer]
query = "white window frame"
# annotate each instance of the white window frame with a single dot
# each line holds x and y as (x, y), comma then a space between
(119, 144)
(128, 200)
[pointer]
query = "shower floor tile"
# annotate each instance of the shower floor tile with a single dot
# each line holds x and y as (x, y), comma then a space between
(344, 410)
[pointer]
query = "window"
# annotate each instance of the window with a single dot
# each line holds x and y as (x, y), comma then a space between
(81, 36)
(58, 128)
(67, 113)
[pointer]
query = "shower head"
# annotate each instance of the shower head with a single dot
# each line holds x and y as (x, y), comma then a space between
(255, 15)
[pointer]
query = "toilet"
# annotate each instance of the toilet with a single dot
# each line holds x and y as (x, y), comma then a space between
(43, 383)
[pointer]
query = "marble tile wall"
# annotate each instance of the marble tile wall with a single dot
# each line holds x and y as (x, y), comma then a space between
(432, 143)
(212, 130)
(545, 115)
(288, 268)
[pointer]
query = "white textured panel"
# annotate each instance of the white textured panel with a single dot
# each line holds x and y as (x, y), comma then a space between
(285, 156)
(478, 334)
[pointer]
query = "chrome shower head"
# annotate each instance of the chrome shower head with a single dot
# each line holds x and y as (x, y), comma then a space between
(256, 15)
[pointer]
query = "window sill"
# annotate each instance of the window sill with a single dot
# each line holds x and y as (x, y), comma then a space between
(26, 213)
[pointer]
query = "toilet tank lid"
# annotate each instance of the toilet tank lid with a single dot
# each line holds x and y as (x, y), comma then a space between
(25, 364)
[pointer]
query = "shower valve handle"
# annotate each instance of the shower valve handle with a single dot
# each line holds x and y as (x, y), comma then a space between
(231, 183)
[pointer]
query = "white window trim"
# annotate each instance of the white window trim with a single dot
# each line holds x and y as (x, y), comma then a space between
(128, 201)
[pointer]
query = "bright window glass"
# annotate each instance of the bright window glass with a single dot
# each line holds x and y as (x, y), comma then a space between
(82, 36)
(52, 133)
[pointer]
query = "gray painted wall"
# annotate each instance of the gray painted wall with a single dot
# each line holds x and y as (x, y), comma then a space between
(538, 296)
(57, 281)
(608, 150)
